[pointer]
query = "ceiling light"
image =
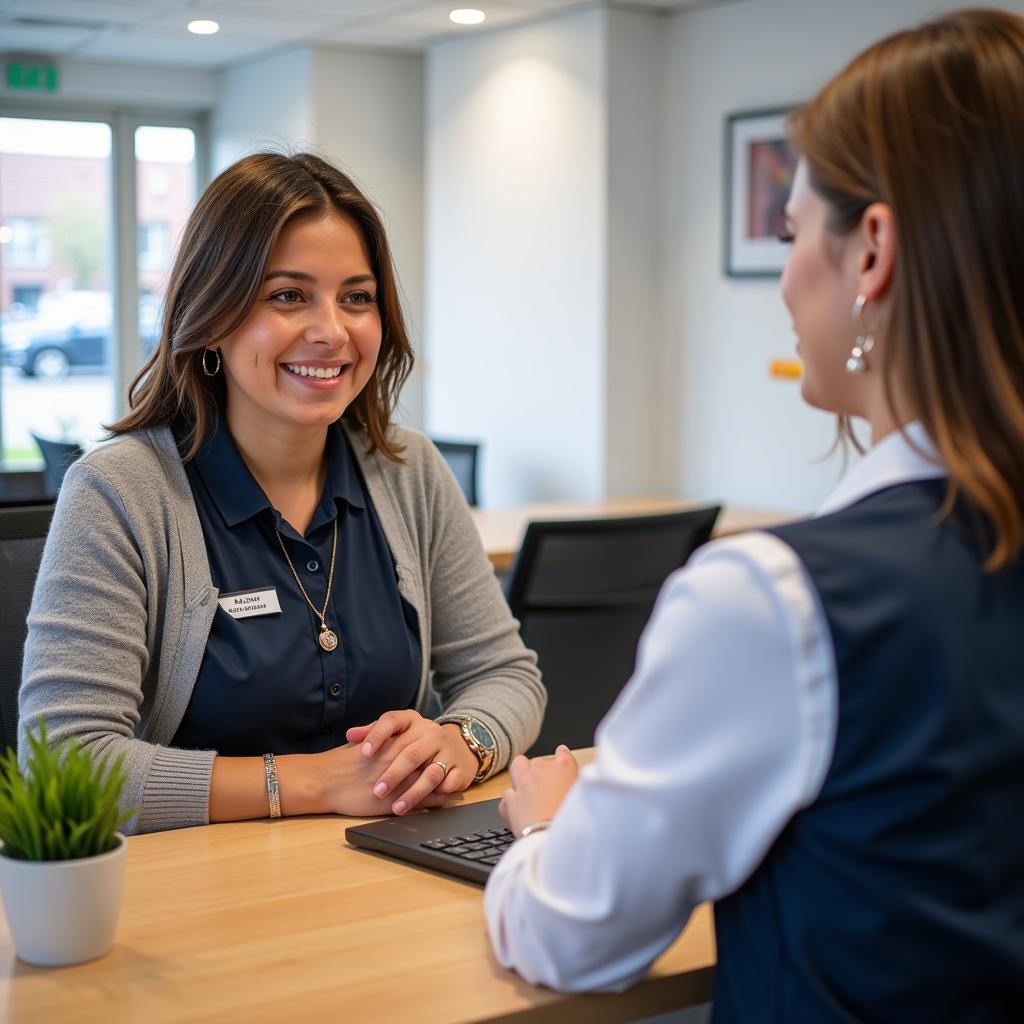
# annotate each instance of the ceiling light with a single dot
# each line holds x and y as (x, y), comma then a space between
(203, 27)
(467, 16)
(6, 234)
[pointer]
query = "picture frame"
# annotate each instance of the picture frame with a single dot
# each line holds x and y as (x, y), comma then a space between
(759, 165)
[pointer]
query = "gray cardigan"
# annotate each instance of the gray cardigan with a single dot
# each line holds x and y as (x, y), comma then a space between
(124, 603)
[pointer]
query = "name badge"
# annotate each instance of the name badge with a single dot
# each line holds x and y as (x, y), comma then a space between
(246, 604)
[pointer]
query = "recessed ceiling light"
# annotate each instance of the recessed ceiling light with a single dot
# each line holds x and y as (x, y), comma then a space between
(203, 27)
(6, 234)
(467, 16)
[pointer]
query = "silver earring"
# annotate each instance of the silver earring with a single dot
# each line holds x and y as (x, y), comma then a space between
(857, 362)
(206, 366)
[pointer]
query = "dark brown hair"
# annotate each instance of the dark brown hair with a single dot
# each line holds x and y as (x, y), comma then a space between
(931, 122)
(216, 277)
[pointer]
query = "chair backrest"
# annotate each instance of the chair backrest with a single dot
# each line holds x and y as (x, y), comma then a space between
(57, 456)
(463, 458)
(583, 591)
(22, 535)
(27, 502)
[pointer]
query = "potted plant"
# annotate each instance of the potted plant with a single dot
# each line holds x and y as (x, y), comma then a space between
(62, 858)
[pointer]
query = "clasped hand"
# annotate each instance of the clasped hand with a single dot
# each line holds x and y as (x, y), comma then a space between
(391, 765)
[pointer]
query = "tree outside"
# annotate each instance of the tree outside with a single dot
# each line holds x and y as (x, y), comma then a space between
(79, 236)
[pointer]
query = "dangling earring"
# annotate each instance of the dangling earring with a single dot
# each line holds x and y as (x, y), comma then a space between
(206, 366)
(857, 363)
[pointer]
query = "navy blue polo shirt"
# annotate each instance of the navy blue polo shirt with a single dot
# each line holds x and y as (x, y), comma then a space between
(264, 683)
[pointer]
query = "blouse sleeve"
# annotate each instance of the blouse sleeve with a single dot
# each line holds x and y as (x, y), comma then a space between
(724, 732)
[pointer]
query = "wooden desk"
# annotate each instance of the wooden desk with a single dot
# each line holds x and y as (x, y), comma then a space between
(283, 921)
(502, 529)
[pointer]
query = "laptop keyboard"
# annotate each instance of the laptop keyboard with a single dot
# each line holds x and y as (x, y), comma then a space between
(484, 847)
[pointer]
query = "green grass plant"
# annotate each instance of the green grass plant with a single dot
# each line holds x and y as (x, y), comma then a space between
(62, 805)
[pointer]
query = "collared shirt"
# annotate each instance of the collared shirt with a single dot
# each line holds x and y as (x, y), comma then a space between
(265, 684)
(725, 731)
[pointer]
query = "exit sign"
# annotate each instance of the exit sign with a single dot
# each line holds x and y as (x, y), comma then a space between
(31, 76)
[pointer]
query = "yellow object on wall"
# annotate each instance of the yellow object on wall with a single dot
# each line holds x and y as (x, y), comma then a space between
(787, 369)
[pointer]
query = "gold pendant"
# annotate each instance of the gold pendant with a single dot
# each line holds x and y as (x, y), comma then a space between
(328, 638)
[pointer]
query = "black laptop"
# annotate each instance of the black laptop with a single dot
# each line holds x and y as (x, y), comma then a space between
(465, 841)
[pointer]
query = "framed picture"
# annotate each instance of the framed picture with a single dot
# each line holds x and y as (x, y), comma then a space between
(759, 166)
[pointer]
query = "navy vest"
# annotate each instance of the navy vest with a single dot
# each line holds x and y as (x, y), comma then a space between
(898, 895)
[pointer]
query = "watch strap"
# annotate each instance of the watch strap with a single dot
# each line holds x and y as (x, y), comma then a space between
(485, 756)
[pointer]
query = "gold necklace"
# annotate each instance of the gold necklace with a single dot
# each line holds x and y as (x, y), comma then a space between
(327, 639)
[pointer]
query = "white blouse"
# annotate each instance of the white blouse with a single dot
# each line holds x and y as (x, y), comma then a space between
(725, 731)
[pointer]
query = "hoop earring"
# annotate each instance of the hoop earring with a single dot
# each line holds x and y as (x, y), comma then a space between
(206, 368)
(857, 362)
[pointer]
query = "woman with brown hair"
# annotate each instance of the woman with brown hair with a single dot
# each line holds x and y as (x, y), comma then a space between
(246, 593)
(825, 731)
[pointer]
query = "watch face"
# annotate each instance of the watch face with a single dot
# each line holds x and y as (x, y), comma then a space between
(482, 735)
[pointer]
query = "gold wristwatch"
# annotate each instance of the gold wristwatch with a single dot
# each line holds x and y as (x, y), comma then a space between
(479, 739)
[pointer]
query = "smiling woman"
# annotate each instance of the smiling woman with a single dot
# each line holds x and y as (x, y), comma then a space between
(306, 350)
(259, 467)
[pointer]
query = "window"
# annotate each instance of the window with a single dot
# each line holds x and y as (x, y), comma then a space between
(67, 272)
(154, 246)
(25, 299)
(29, 242)
(55, 196)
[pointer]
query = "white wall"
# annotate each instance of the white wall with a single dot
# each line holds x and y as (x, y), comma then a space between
(367, 116)
(578, 319)
(516, 205)
(634, 279)
(732, 432)
(263, 104)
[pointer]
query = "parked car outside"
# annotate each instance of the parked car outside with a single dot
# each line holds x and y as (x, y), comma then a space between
(71, 330)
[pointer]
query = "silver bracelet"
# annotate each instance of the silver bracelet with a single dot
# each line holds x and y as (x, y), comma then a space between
(535, 826)
(273, 792)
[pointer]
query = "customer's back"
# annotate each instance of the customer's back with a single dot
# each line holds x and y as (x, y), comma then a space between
(842, 770)
(908, 868)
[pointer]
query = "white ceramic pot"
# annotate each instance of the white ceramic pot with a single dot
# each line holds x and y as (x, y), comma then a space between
(63, 911)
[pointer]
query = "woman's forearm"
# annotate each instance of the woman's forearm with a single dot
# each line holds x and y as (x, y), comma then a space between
(238, 787)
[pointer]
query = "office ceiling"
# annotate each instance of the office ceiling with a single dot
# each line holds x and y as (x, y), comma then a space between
(153, 31)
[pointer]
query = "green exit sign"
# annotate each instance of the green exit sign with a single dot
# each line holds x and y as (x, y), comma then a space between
(31, 76)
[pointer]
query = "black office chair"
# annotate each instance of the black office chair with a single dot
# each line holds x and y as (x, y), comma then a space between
(27, 503)
(22, 535)
(462, 458)
(57, 456)
(583, 591)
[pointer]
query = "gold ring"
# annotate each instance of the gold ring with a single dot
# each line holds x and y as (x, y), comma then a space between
(443, 767)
